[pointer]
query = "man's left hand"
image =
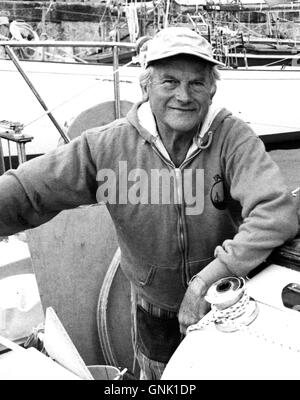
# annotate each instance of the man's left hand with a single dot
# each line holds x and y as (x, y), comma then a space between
(193, 306)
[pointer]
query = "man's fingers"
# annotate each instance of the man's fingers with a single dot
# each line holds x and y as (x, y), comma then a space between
(183, 327)
(186, 320)
(204, 308)
(188, 316)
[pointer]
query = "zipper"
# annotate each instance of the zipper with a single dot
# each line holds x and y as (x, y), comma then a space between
(179, 204)
(180, 209)
(185, 162)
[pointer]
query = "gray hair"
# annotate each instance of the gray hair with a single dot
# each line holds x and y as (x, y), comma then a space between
(146, 74)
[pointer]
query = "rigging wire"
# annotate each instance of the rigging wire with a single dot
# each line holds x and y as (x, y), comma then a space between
(275, 125)
(49, 8)
(96, 32)
(99, 80)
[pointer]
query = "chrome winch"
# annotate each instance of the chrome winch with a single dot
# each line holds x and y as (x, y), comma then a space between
(231, 306)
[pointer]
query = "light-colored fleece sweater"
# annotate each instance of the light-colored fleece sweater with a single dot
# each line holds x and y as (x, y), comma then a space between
(241, 209)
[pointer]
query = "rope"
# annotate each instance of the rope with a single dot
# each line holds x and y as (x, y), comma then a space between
(99, 80)
(20, 30)
(101, 315)
(49, 8)
(239, 317)
(16, 28)
(232, 312)
(225, 316)
(132, 21)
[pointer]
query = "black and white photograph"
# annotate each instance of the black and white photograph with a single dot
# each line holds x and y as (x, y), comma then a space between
(149, 193)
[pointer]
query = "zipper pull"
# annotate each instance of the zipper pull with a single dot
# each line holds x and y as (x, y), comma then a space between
(178, 178)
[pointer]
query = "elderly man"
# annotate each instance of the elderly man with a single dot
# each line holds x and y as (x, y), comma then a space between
(193, 195)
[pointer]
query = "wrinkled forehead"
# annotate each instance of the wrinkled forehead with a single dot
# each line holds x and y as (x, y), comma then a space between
(182, 64)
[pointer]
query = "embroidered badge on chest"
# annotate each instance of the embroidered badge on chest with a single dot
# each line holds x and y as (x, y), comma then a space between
(217, 194)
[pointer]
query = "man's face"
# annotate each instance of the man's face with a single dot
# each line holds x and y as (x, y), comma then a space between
(179, 94)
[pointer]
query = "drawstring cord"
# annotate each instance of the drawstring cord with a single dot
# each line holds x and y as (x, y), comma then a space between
(205, 141)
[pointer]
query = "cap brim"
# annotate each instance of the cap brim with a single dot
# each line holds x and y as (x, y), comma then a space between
(192, 53)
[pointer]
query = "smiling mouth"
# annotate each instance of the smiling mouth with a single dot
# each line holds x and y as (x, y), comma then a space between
(182, 109)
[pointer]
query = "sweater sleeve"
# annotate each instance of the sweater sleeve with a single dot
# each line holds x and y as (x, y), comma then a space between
(268, 210)
(40, 188)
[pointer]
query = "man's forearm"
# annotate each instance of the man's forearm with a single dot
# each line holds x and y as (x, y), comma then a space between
(16, 211)
(214, 271)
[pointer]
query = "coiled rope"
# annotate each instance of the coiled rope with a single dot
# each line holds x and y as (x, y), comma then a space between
(232, 312)
(231, 306)
(20, 30)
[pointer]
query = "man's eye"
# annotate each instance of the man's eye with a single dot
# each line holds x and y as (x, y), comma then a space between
(170, 82)
(197, 84)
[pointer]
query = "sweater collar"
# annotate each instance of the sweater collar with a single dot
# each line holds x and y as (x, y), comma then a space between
(147, 121)
(142, 118)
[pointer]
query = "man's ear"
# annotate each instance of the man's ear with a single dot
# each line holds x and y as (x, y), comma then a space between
(145, 92)
(213, 91)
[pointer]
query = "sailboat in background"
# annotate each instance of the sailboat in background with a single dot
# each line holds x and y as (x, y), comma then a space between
(74, 241)
(266, 97)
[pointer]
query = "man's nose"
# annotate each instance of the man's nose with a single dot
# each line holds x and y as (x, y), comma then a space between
(183, 92)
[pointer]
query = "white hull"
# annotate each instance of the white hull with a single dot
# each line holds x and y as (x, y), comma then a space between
(266, 349)
(267, 99)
